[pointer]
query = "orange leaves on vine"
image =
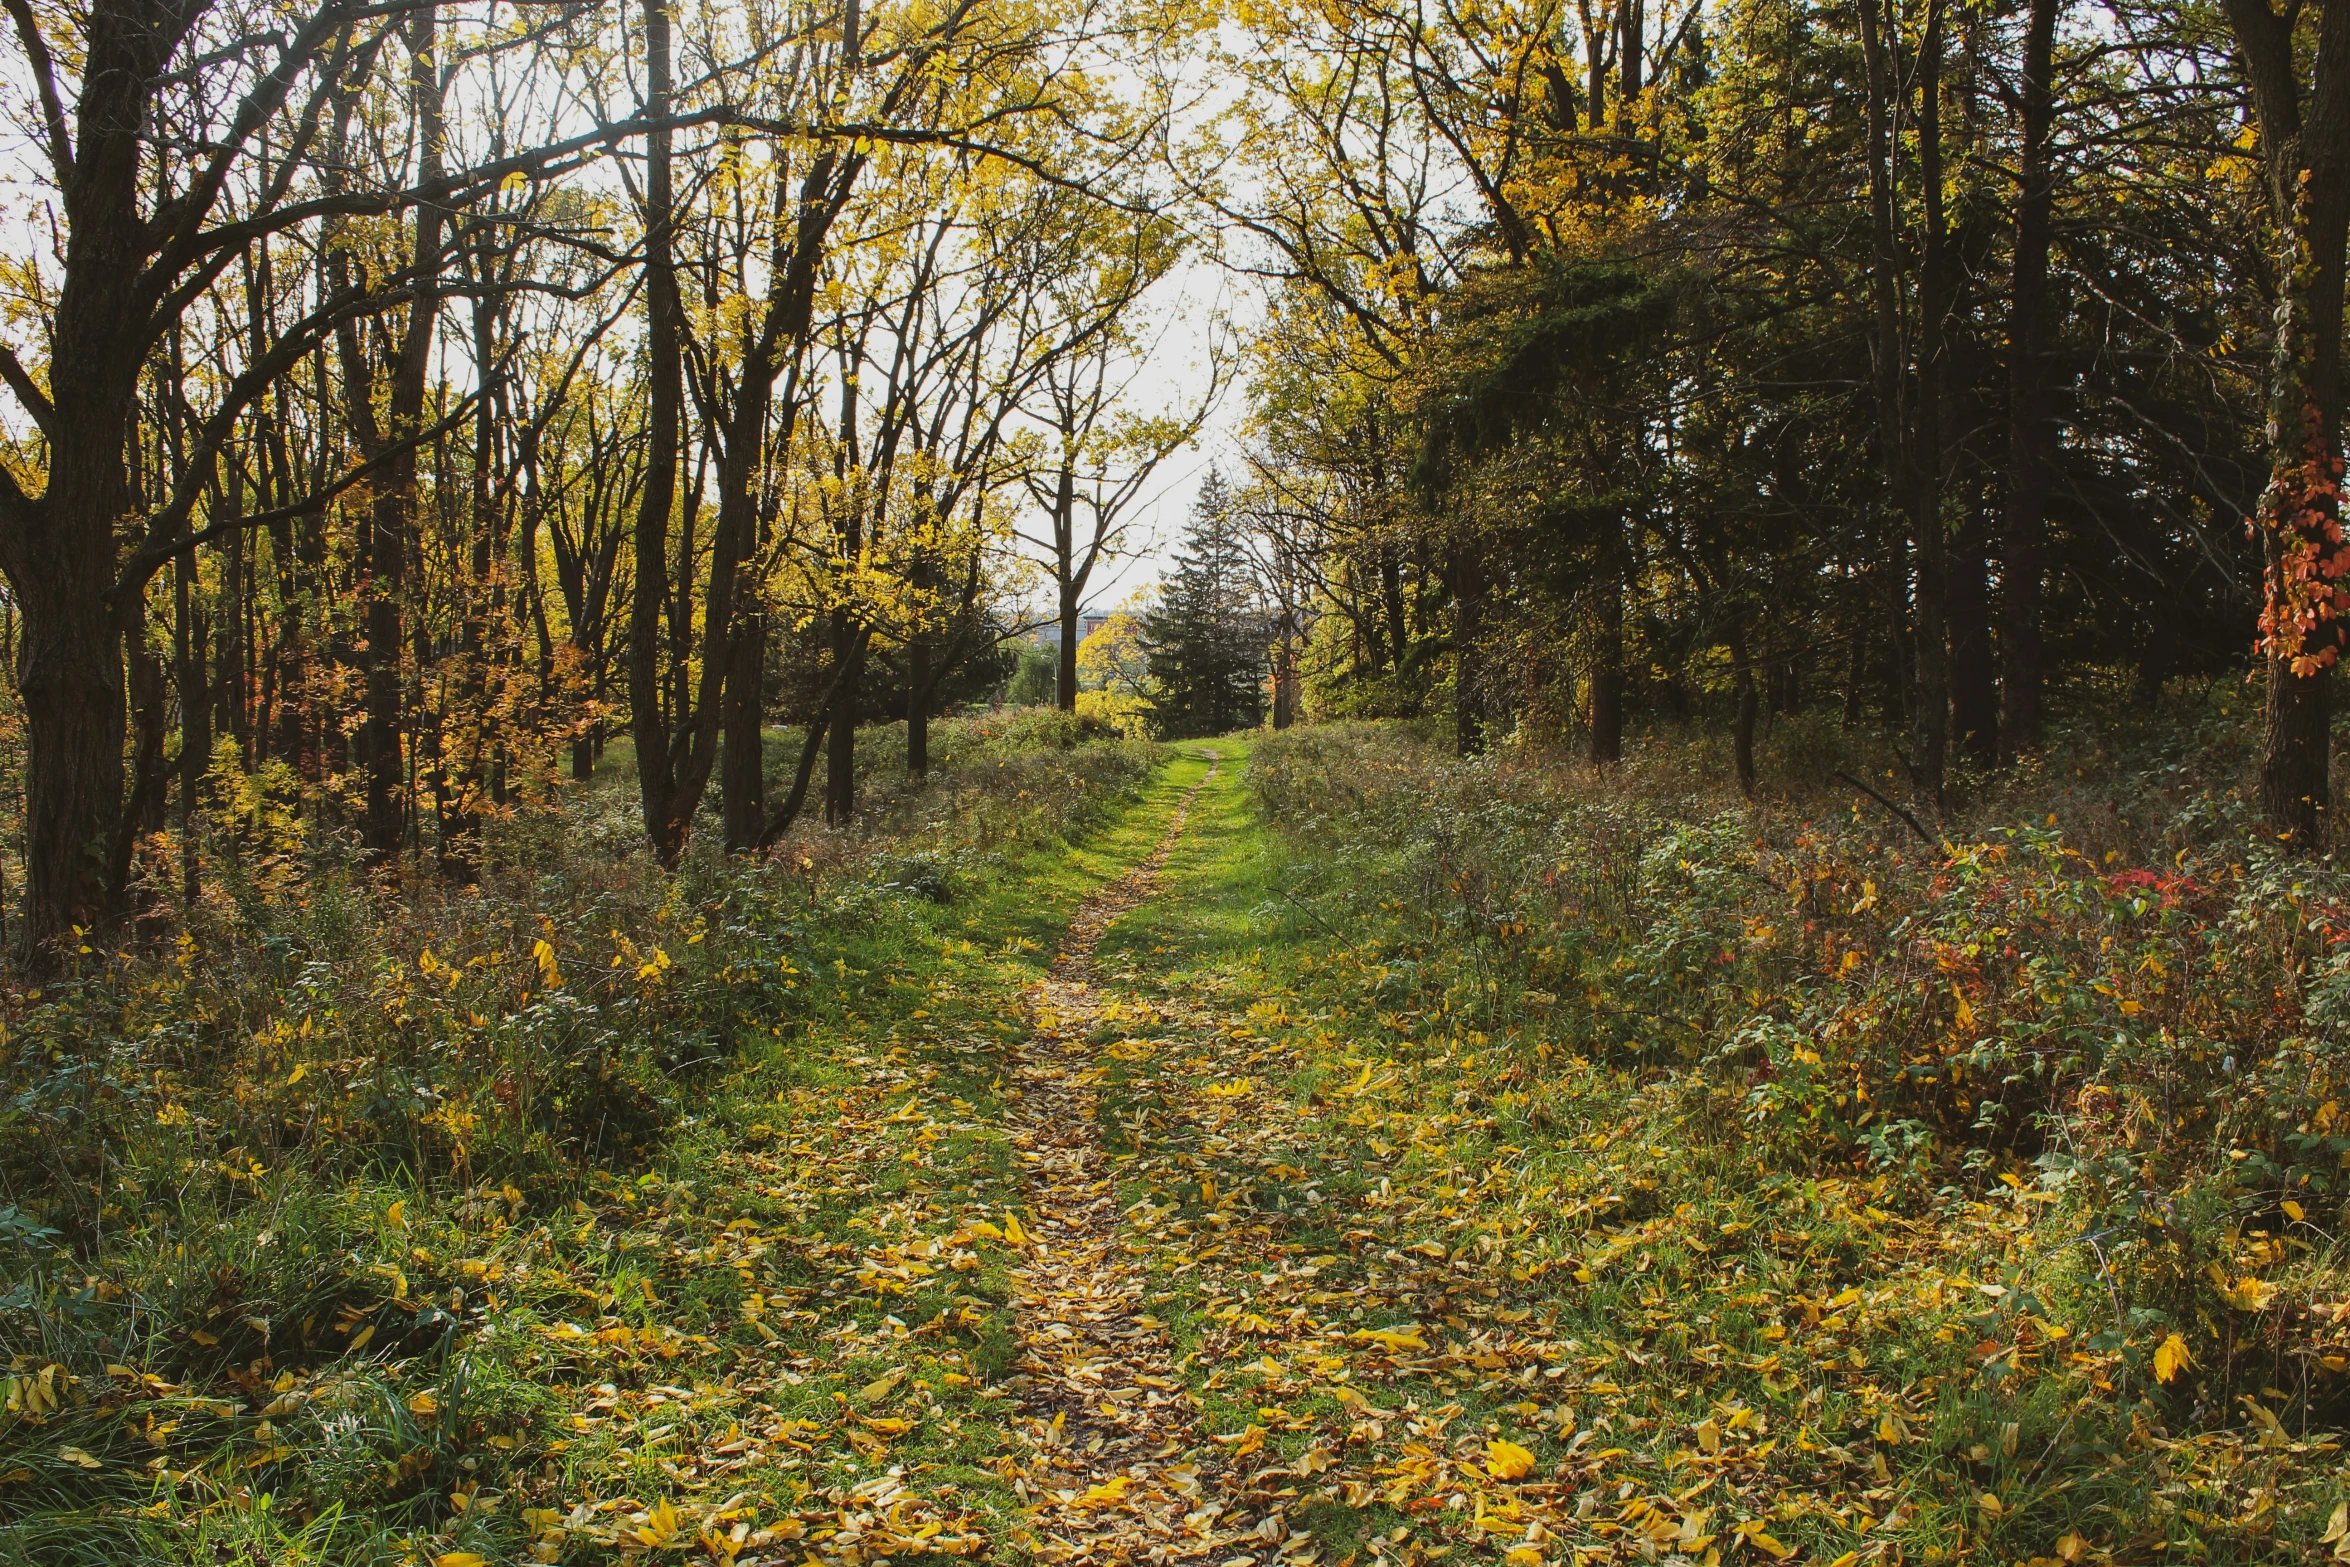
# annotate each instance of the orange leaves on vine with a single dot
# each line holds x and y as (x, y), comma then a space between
(2307, 602)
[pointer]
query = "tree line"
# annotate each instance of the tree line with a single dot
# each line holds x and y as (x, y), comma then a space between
(411, 399)
(1923, 360)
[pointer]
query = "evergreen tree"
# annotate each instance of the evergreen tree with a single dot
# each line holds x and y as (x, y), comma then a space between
(1031, 684)
(1206, 639)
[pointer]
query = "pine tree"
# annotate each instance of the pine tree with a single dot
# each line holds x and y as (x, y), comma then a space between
(1206, 639)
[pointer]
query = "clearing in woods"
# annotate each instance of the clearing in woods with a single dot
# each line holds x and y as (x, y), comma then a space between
(1111, 1206)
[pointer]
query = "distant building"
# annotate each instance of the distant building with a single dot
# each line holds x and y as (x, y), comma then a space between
(1049, 634)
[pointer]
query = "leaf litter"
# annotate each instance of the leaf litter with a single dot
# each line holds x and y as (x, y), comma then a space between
(1108, 1430)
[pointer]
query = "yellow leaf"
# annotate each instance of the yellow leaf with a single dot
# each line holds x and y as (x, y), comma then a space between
(1012, 1231)
(301, 1070)
(2338, 1526)
(1523, 1556)
(74, 1455)
(2249, 1294)
(1992, 1504)
(1709, 1437)
(1506, 1460)
(660, 1526)
(1848, 1559)
(460, 1559)
(1107, 1494)
(398, 1214)
(890, 1425)
(880, 1386)
(1778, 1548)
(2071, 1547)
(1390, 1338)
(2293, 1212)
(2171, 1358)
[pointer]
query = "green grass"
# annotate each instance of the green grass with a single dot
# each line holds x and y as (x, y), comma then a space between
(769, 1292)
(1682, 1321)
(1414, 1193)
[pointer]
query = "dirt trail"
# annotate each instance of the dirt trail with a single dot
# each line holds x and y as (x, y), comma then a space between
(1109, 1433)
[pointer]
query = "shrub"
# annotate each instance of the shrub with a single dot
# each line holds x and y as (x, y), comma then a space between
(2098, 986)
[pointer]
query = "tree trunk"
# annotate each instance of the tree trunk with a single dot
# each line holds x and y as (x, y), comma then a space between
(1930, 715)
(2030, 459)
(1468, 694)
(1856, 668)
(1887, 349)
(843, 676)
(742, 780)
(918, 682)
(228, 682)
(75, 713)
(1974, 689)
(1285, 674)
(664, 408)
(195, 720)
(1069, 578)
(2307, 153)
(1607, 676)
(1065, 656)
(392, 515)
(797, 799)
(840, 757)
(150, 780)
(1743, 713)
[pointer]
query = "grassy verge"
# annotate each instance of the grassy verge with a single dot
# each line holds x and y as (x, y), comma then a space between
(1511, 1241)
(579, 1215)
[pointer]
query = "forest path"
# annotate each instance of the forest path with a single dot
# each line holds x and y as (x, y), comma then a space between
(1106, 1426)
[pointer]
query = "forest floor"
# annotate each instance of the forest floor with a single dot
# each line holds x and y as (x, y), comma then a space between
(1199, 1262)
(1125, 1216)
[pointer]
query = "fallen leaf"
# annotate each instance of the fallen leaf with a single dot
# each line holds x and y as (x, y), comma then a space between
(1506, 1460)
(660, 1526)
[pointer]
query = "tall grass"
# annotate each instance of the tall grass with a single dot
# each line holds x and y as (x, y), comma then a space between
(264, 1171)
(2097, 984)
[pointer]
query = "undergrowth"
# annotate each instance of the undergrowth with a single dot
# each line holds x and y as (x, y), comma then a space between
(1976, 1198)
(322, 1210)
